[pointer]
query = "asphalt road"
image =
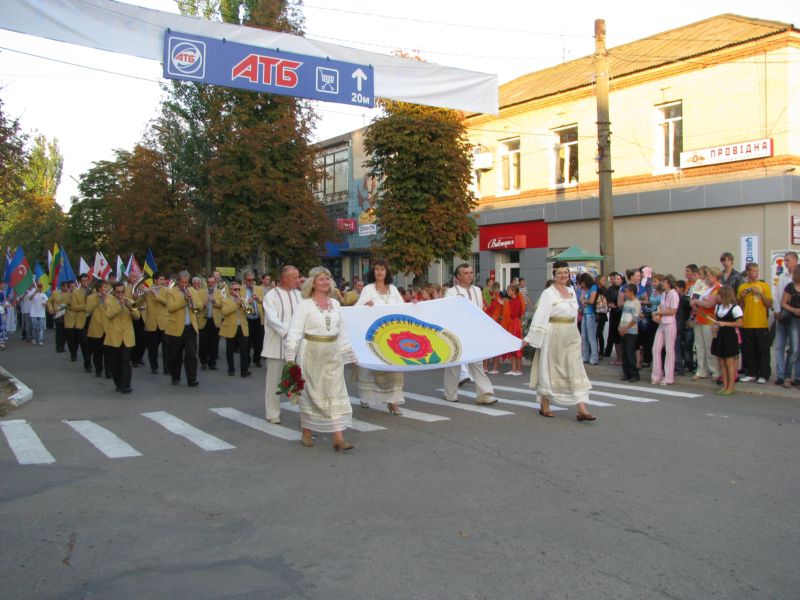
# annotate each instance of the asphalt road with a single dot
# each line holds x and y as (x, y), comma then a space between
(665, 496)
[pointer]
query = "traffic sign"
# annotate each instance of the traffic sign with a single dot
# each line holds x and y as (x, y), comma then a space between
(206, 60)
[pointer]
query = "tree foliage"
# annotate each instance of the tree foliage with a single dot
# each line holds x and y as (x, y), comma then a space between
(13, 159)
(422, 158)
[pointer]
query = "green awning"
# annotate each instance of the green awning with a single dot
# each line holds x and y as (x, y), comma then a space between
(575, 254)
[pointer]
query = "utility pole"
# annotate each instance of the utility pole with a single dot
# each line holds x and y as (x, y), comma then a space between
(604, 147)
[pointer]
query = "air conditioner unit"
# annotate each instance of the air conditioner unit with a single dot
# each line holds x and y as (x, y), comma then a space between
(482, 158)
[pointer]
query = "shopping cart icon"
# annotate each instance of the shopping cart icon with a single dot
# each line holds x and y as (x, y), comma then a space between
(327, 80)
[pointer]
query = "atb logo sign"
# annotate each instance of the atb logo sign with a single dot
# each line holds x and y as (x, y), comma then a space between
(187, 58)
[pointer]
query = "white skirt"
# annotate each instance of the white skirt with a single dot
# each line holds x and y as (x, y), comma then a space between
(557, 371)
(379, 387)
(324, 403)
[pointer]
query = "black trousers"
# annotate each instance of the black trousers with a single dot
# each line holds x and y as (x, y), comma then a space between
(153, 339)
(97, 350)
(629, 369)
(241, 343)
(137, 352)
(182, 350)
(76, 338)
(60, 334)
(755, 352)
(120, 361)
(256, 336)
(209, 344)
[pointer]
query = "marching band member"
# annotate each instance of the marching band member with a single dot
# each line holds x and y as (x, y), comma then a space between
(209, 321)
(56, 308)
(75, 321)
(120, 312)
(279, 305)
(154, 304)
(183, 303)
(254, 297)
(95, 306)
(234, 328)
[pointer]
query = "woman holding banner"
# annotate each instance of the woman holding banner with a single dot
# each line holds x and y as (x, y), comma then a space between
(380, 387)
(557, 372)
(319, 343)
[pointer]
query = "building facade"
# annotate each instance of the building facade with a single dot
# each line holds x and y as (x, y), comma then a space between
(705, 123)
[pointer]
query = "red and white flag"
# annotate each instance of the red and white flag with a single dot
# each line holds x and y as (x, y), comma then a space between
(85, 268)
(134, 271)
(101, 266)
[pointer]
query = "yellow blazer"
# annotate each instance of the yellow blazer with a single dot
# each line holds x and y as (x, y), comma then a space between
(119, 324)
(258, 291)
(98, 317)
(155, 309)
(231, 311)
(56, 298)
(75, 316)
(176, 309)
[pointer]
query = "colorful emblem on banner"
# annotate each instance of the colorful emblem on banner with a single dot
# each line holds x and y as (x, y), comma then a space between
(403, 340)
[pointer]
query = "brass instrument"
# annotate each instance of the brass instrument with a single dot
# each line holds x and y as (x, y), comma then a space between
(248, 308)
(138, 287)
(190, 303)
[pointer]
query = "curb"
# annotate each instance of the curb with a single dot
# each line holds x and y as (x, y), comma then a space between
(23, 395)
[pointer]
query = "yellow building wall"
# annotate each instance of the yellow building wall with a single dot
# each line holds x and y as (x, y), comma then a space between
(752, 97)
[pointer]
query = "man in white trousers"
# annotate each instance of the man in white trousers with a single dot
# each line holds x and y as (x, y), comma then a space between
(279, 306)
(483, 387)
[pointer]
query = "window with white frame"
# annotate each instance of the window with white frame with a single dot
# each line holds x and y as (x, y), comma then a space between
(509, 155)
(334, 181)
(669, 135)
(566, 156)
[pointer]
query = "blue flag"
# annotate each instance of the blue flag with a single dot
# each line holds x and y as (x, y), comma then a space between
(7, 270)
(65, 272)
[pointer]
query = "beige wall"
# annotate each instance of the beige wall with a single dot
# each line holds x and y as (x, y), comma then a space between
(750, 98)
(669, 242)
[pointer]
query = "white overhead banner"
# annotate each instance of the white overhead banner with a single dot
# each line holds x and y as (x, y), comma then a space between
(128, 29)
(426, 335)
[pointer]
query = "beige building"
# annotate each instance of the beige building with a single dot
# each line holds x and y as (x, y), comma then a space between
(705, 124)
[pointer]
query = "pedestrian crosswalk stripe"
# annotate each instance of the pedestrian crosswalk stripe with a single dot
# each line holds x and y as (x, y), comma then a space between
(654, 389)
(101, 438)
(525, 403)
(174, 425)
(495, 412)
(355, 423)
(533, 393)
(25, 444)
(407, 412)
(258, 423)
(622, 397)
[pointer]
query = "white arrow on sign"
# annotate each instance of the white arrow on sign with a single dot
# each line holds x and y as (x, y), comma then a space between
(360, 78)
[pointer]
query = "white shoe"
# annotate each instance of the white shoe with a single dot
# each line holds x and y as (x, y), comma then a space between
(486, 400)
(517, 373)
(761, 380)
(510, 373)
(274, 421)
(493, 372)
(746, 379)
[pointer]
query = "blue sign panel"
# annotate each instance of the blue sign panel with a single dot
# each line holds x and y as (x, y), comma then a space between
(205, 60)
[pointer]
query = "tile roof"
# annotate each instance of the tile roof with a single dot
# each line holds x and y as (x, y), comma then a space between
(675, 45)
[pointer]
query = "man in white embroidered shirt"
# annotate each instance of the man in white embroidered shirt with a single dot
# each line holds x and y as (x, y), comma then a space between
(485, 392)
(279, 306)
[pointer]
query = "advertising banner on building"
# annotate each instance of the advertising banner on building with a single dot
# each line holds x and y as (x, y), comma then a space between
(749, 250)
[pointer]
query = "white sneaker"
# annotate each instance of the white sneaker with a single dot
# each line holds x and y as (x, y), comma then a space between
(746, 379)
(761, 380)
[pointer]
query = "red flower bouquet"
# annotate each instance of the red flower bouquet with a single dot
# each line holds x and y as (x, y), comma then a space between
(292, 382)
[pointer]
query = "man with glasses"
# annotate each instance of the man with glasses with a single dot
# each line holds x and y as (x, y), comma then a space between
(180, 334)
(209, 321)
(234, 329)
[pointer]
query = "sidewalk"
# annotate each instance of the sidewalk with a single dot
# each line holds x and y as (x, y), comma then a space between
(605, 370)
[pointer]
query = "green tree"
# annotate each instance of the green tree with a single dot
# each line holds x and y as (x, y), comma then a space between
(13, 159)
(421, 155)
(244, 159)
(45, 166)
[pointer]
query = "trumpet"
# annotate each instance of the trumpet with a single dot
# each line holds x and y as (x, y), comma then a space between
(248, 308)
(190, 303)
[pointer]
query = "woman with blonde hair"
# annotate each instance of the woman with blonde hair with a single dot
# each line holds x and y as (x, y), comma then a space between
(705, 305)
(318, 342)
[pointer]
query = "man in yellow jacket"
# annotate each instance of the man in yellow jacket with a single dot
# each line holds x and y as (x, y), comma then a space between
(235, 329)
(56, 308)
(183, 303)
(209, 321)
(75, 321)
(119, 336)
(96, 308)
(153, 303)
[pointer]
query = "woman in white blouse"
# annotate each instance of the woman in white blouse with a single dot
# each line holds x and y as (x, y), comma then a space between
(557, 372)
(380, 387)
(318, 342)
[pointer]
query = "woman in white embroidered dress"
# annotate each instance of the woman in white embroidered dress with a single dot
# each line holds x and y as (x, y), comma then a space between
(376, 387)
(557, 372)
(318, 342)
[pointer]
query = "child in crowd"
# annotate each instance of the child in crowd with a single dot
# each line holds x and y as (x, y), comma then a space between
(725, 345)
(628, 331)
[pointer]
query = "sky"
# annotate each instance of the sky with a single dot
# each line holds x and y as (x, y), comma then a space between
(101, 101)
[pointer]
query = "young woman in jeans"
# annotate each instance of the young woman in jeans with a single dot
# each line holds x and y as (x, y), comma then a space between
(587, 295)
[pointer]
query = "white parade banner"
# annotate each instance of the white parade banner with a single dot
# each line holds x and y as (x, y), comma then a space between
(426, 335)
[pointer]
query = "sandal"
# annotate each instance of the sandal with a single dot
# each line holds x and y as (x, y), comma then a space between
(548, 413)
